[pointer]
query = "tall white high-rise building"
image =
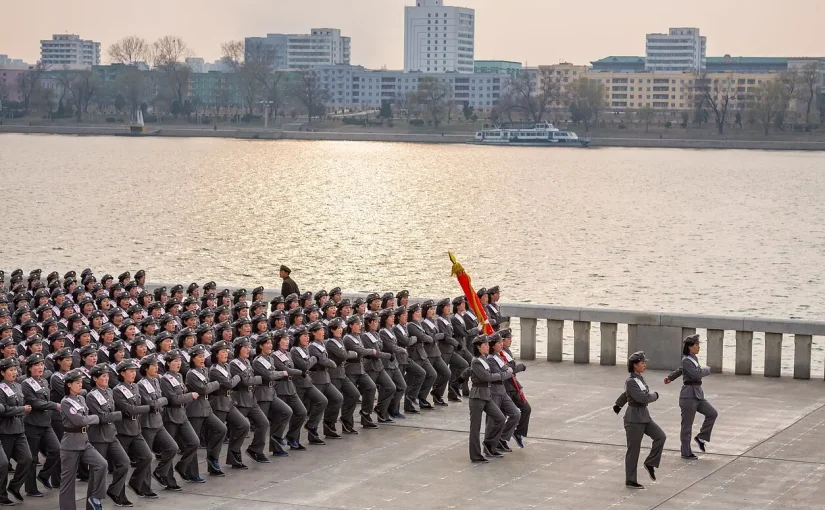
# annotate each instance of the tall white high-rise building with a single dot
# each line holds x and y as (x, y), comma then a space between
(438, 38)
(322, 46)
(69, 50)
(681, 49)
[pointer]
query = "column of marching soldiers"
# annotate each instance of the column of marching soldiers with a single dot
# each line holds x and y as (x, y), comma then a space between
(102, 375)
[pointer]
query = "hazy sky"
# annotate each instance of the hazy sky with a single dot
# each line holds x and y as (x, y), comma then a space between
(530, 31)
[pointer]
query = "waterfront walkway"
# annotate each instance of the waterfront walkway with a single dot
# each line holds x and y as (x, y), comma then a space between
(768, 451)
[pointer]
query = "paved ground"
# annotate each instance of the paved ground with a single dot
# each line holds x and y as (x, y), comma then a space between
(768, 451)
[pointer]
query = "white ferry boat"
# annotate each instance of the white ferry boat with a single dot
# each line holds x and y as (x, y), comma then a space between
(530, 134)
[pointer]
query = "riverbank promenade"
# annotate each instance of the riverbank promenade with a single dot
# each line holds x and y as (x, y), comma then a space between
(767, 451)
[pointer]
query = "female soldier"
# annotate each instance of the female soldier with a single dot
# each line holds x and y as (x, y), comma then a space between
(259, 326)
(499, 394)
(418, 354)
(450, 350)
(275, 410)
(321, 379)
(355, 370)
(638, 423)
(186, 340)
(481, 401)
(103, 435)
(286, 390)
(434, 352)
(223, 405)
(203, 420)
(313, 399)
(389, 345)
(338, 375)
(413, 374)
(76, 449)
(129, 403)
(374, 366)
(692, 398)
(12, 431)
(244, 396)
(174, 415)
(514, 392)
(277, 320)
(151, 424)
(63, 363)
(38, 424)
(117, 353)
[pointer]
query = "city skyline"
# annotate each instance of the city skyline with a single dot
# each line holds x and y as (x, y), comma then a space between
(503, 30)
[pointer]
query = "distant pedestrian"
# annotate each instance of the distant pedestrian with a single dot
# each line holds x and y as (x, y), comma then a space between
(289, 286)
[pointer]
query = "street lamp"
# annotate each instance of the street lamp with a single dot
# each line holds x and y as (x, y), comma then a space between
(266, 104)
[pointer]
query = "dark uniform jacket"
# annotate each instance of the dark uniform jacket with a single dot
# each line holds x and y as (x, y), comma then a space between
(320, 372)
(303, 362)
(151, 396)
(460, 329)
(389, 344)
(482, 377)
(244, 391)
(341, 356)
(178, 397)
(638, 397)
(11, 397)
(101, 403)
(373, 363)
(448, 344)
(282, 362)
(264, 368)
(36, 393)
(221, 400)
(76, 420)
(418, 348)
(353, 343)
(405, 342)
(289, 287)
(197, 380)
(431, 328)
(129, 403)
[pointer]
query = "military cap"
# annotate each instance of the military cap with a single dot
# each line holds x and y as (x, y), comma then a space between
(53, 275)
(352, 319)
(311, 308)
(140, 274)
(118, 286)
(149, 359)
(400, 310)
(176, 288)
(306, 295)
(114, 311)
(636, 357)
(189, 300)
(163, 336)
(505, 333)
(495, 337)
(321, 293)
(258, 318)
(170, 303)
(138, 340)
(48, 322)
(85, 272)
(296, 311)
(95, 314)
(285, 269)
(165, 319)
(344, 302)
(3, 298)
(224, 292)
(98, 370)
(117, 345)
(34, 359)
(458, 300)
(124, 276)
(130, 285)
(106, 327)
(106, 277)
(20, 310)
(189, 314)
(240, 305)
(241, 341)
(191, 288)
(19, 272)
(315, 326)
(4, 312)
(277, 300)
(277, 314)
(358, 302)
(5, 342)
(328, 305)
(147, 321)
(159, 291)
(480, 339)
(210, 285)
(263, 338)
(60, 333)
(34, 339)
(82, 330)
(372, 296)
(386, 312)
(57, 292)
(443, 302)
(482, 291)
(334, 291)
(493, 290)
(174, 353)
(258, 290)
(336, 323)
(206, 312)
(428, 303)
(72, 376)
(223, 325)
(280, 333)
(370, 316)
(300, 330)
(402, 294)
(198, 350)
(415, 307)
(239, 292)
(127, 364)
(185, 332)
(217, 346)
(222, 309)
(257, 304)
(291, 297)
(88, 279)
(87, 350)
(134, 309)
(63, 353)
(126, 323)
(30, 323)
(240, 322)
(41, 293)
(691, 340)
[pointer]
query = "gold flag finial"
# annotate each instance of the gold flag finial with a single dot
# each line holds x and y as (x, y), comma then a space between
(457, 269)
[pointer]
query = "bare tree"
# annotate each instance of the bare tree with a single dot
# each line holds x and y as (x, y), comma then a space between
(309, 91)
(433, 95)
(402, 104)
(29, 82)
(82, 87)
(130, 50)
(809, 78)
(532, 93)
(586, 101)
(135, 86)
(710, 93)
(769, 103)
(168, 54)
(234, 57)
(646, 115)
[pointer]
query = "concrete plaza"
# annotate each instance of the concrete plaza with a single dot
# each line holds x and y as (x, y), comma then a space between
(768, 451)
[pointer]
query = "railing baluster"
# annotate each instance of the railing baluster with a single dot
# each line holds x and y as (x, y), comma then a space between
(555, 340)
(608, 347)
(581, 342)
(528, 338)
(744, 352)
(773, 354)
(802, 356)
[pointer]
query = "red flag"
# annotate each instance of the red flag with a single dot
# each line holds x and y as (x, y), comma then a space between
(475, 305)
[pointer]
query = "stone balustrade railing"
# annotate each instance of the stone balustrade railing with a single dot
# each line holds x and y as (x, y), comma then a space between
(659, 334)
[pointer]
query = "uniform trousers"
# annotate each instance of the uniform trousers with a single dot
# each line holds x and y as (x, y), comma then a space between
(430, 376)
(510, 411)
(635, 432)
(524, 407)
(15, 447)
(350, 396)
(315, 402)
(366, 387)
(119, 462)
(495, 423)
(690, 406)
(400, 389)
(160, 440)
(69, 462)
(457, 365)
(414, 376)
(187, 440)
(258, 421)
(299, 414)
(137, 450)
(443, 376)
(386, 391)
(213, 430)
(334, 402)
(279, 415)
(237, 426)
(43, 440)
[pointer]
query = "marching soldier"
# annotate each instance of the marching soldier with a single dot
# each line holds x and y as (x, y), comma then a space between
(321, 379)
(38, 424)
(313, 399)
(514, 388)
(204, 422)
(276, 410)
(692, 398)
(355, 370)
(174, 415)
(419, 340)
(244, 395)
(413, 374)
(499, 394)
(481, 401)
(12, 431)
(151, 424)
(103, 436)
(374, 366)
(392, 366)
(638, 423)
(338, 375)
(286, 391)
(128, 401)
(451, 349)
(289, 286)
(237, 426)
(76, 449)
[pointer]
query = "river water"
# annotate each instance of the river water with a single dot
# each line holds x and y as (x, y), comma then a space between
(718, 232)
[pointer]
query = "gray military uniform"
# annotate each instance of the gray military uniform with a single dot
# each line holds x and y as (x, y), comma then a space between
(152, 427)
(39, 433)
(247, 404)
(413, 374)
(128, 402)
(314, 401)
(338, 375)
(276, 410)
(418, 353)
(692, 400)
(75, 448)
(103, 437)
(501, 399)
(389, 344)
(481, 401)
(12, 436)
(286, 391)
(223, 406)
(201, 416)
(434, 355)
(374, 366)
(176, 421)
(638, 423)
(321, 379)
(356, 374)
